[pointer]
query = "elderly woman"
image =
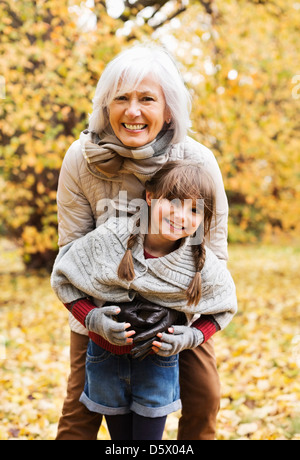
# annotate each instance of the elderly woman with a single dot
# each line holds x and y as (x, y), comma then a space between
(139, 121)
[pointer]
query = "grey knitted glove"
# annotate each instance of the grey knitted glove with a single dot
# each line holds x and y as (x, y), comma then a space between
(184, 337)
(99, 321)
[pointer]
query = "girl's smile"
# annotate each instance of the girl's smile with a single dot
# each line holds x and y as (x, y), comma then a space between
(174, 226)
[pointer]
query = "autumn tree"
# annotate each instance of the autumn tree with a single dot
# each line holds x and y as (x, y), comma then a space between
(240, 62)
(238, 59)
(50, 68)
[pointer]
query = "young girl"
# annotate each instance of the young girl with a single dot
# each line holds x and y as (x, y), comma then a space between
(168, 265)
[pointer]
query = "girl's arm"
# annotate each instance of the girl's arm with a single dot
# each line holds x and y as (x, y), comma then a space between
(185, 337)
(207, 325)
(80, 308)
(75, 279)
(77, 271)
(65, 272)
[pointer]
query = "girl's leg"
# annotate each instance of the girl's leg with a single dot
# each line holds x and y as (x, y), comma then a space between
(146, 428)
(120, 426)
(135, 427)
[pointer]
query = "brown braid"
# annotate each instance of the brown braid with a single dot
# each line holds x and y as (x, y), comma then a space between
(193, 292)
(126, 267)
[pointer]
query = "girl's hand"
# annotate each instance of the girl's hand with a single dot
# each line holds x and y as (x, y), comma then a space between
(179, 338)
(101, 321)
(156, 345)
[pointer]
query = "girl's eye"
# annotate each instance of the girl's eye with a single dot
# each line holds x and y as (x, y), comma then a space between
(197, 210)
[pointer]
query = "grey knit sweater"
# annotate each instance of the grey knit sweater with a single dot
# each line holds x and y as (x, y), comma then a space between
(88, 267)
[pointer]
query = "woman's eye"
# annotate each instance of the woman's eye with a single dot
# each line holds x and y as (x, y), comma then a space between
(148, 99)
(120, 98)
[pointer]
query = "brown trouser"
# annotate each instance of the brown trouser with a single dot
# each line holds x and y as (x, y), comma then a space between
(199, 390)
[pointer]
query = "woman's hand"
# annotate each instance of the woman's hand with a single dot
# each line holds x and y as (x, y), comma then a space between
(179, 338)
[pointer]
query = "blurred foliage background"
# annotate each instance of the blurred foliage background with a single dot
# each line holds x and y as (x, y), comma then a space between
(240, 60)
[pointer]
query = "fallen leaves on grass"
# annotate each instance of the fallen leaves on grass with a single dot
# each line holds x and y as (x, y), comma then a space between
(34, 368)
(257, 355)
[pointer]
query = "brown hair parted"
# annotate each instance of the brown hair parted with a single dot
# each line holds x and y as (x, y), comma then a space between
(181, 179)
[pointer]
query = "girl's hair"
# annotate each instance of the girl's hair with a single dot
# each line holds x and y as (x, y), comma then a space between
(180, 180)
(125, 72)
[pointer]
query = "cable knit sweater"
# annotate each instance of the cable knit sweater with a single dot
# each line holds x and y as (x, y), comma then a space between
(88, 267)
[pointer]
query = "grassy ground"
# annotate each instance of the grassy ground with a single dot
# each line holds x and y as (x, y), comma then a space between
(258, 354)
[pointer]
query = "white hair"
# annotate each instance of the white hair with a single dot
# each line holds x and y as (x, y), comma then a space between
(125, 72)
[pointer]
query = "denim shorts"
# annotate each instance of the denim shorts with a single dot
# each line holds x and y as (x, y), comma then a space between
(119, 384)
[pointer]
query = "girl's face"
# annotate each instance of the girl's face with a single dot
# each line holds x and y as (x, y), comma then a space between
(173, 220)
(138, 116)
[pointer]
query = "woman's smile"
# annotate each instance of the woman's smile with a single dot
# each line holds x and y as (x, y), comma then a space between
(131, 127)
(138, 116)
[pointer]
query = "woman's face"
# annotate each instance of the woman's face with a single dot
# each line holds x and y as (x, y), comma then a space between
(138, 116)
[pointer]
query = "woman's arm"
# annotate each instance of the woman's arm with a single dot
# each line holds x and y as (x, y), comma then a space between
(217, 239)
(75, 217)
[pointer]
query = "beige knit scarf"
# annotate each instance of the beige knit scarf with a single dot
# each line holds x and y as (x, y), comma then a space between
(108, 157)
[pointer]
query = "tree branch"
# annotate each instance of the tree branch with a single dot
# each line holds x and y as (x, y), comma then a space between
(141, 4)
(176, 13)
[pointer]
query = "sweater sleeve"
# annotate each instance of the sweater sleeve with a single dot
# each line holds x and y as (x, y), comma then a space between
(64, 270)
(80, 309)
(87, 268)
(77, 271)
(207, 326)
